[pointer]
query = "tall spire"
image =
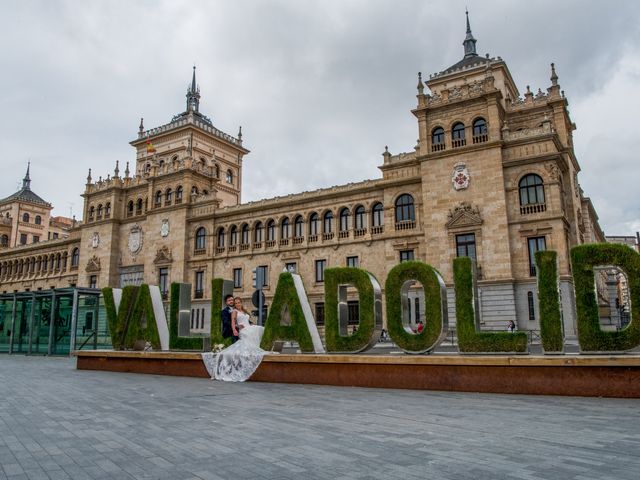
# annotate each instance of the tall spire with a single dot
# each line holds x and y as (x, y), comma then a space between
(26, 181)
(193, 94)
(469, 42)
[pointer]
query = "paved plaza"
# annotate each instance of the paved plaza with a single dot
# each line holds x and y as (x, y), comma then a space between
(60, 423)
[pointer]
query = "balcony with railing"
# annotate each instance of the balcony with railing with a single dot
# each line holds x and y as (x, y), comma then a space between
(377, 229)
(219, 250)
(481, 138)
(313, 238)
(406, 225)
(270, 243)
(459, 142)
(343, 234)
(328, 236)
(298, 240)
(437, 147)
(533, 208)
(359, 232)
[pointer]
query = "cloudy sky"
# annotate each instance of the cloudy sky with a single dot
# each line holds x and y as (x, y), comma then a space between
(319, 87)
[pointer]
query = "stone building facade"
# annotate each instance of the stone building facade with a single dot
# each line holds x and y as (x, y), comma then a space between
(493, 176)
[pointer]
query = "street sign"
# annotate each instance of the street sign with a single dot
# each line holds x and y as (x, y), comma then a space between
(255, 298)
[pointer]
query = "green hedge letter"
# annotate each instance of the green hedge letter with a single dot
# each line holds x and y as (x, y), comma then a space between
(119, 305)
(400, 279)
(290, 317)
(469, 339)
(337, 338)
(590, 335)
(548, 299)
(142, 322)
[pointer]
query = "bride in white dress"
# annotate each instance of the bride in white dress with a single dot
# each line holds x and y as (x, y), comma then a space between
(237, 362)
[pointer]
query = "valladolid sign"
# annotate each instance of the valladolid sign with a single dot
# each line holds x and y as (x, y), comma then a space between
(133, 314)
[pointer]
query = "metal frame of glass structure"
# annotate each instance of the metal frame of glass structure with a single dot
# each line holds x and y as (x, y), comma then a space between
(53, 322)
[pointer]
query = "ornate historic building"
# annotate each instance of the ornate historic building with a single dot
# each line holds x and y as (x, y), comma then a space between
(493, 176)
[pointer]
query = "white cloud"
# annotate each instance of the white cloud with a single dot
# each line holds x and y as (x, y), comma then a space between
(320, 87)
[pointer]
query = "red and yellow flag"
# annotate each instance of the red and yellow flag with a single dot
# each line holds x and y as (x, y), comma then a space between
(150, 147)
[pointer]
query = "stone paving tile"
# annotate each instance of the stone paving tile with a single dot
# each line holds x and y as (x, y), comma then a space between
(58, 423)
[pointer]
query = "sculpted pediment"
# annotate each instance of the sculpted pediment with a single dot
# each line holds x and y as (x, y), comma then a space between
(93, 265)
(464, 215)
(163, 255)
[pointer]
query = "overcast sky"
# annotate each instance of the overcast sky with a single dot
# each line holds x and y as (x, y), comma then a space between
(319, 87)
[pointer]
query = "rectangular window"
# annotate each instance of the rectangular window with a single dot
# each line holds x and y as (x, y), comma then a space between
(532, 312)
(353, 307)
(536, 244)
(466, 245)
(36, 238)
(292, 267)
(319, 313)
(237, 278)
(199, 285)
(93, 281)
(23, 239)
(163, 281)
(320, 266)
(55, 235)
(265, 274)
(406, 255)
(353, 262)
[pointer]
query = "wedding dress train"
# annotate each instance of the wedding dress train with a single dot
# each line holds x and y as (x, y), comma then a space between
(237, 362)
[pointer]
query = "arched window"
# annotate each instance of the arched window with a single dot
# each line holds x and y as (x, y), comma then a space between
(258, 232)
(99, 212)
(92, 212)
(201, 238)
(139, 206)
(216, 170)
(314, 222)
(75, 258)
(25, 218)
(298, 227)
(437, 139)
(457, 135)
(179, 191)
(4, 241)
(38, 220)
(229, 176)
(344, 219)
(233, 235)
(130, 207)
(531, 189)
(327, 224)
(284, 228)
(107, 210)
(168, 196)
(244, 235)
(194, 190)
(358, 218)
(220, 238)
(377, 215)
(405, 210)
(158, 198)
(480, 130)
(271, 231)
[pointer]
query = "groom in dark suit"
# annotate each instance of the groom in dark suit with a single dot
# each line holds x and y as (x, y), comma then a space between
(227, 329)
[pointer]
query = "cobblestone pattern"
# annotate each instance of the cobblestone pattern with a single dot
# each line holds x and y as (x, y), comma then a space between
(60, 423)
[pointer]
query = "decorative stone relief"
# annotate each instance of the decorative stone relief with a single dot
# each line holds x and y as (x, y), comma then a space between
(164, 228)
(552, 170)
(93, 265)
(95, 240)
(163, 255)
(460, 177)
(135, 239)
(464, 215)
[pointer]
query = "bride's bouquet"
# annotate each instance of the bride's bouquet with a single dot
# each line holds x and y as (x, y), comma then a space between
(217, 348)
